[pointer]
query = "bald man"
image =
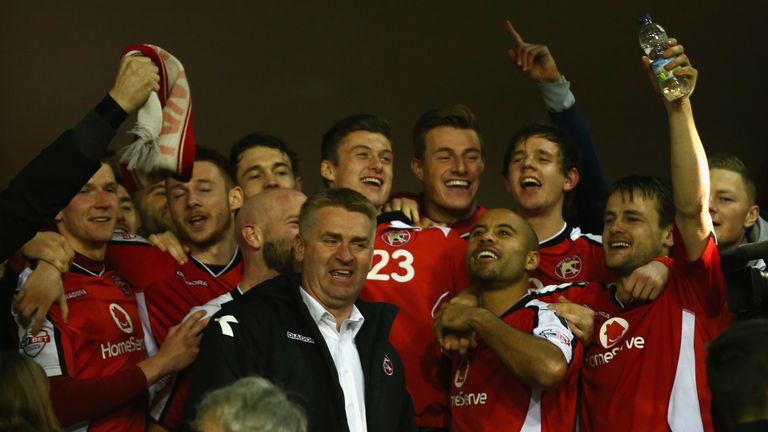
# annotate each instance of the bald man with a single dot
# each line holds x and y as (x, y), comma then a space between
(526, 352)
(265, 228)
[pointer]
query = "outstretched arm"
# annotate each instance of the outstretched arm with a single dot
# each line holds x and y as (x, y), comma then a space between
(690, 174)
(536, 62)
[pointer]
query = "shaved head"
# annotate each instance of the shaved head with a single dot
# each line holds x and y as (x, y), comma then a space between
(531, 240)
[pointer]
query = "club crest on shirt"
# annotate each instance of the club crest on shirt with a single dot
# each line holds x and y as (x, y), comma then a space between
(612, 331)
(33, 345)
(462, 372)
(124, 286)
(389, 369)
(396, 238)
(569, 267)
(121, 318)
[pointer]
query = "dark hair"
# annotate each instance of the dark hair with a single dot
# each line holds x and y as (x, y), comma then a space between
(569, 154)
(457, 116)
(341, 197)
(259, 139)
(358, 122)
(731, 163)
(656, 188)
(737, 373)
(24, 400)
(206, 154)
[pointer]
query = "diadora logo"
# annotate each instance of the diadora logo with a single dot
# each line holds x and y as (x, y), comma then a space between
(298, 337)
(568, 268)
(612, 331)
(461, 373)
(194, 282)
(389, 369)
(396, 238)
(121, 317)
(33, 345)
(122, 284)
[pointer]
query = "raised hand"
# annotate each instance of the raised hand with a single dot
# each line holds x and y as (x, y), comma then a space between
(534, 60)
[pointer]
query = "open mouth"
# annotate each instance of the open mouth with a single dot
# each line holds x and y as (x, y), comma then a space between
(619, 245)
(341, 274)
(373, 181)
(100, 219)
(457, 184)
(487, 255)
(197, 220)
(530, 183)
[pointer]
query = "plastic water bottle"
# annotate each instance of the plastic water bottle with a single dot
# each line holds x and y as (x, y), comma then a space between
(653, 41)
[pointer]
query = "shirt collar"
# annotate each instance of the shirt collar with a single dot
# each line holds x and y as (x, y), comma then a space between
(318, 312)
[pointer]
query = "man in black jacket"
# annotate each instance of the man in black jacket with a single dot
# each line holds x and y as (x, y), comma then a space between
(310, 334)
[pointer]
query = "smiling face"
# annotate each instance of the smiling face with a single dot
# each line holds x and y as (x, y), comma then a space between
(631, 233)
(364, 164)
(450, 170)
(502, 248)
(262, 168)
(536, 179)
(201, 209)
(127, 216)
(731, 209)
(335, 255)
(152, 205)
(89, 220)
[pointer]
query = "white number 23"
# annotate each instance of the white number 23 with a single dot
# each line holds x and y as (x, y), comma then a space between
(404, 260)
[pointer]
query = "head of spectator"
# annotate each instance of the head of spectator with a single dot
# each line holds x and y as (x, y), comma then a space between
(203, 208)
(261, 161)
(152, 206)
(356, 153)
(448, 159)
(540, 168)
(128, 219)
(737, 375)
(638, 222)
(731, 200)
(502, 250)
(88, 221)
(24, 402)
(266, 226)
(250, 404)
(335, 248)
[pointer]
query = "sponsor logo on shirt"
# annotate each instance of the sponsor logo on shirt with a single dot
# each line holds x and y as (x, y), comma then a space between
(389, 369)
(612, 331)
(611, 337)
(123, 347)
(301, 338)
(124, 286)
(121, 318)
(569, 267)
(469, 399)
(396, 238)
(553, 334)
(33, 345)
(194, 282)
(76, 293)
(461, 373)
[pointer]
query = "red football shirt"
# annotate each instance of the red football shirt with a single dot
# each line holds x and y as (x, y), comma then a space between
(417, 269)
(102, 337)
(645, 369)
(568, 257)
(462, 227)
(170, 291)
(486, 396)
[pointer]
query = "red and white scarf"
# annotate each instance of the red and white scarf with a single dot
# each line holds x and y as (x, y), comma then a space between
(165, 142)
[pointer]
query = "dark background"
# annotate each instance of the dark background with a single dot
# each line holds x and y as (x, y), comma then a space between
(292, 68)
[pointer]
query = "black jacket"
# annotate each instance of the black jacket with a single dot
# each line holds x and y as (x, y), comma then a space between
(274, 336)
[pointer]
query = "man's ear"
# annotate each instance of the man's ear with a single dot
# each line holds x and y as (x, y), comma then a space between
(298, 249)
(668, 238)
(571, 180)
(59, 217)
(253, 235)
(532, 261)
(752, 216)
(417, 166)
(299, 183)
(236, 197)
(328, 171)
